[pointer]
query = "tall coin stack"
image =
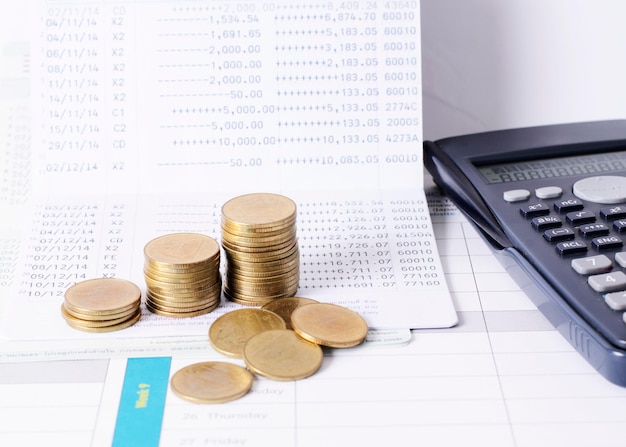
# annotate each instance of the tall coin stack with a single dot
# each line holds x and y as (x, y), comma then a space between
(262, 254)
(182, 275)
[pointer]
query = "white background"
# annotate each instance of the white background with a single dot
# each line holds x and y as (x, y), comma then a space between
(495, 64)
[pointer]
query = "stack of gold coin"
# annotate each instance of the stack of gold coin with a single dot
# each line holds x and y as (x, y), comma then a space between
(262, 254)
(182, 275)
(102, 305)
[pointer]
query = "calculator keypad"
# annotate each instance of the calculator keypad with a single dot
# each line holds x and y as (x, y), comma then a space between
(583, 235)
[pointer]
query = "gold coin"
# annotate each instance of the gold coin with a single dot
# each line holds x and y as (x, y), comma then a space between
(264, 282)
(263, 278)
(257, 300)
(229, 333)
(180, 309)
(181, 249)
(184, 297)
(280, 354)
(198, 263)
(185, 314)
(126, 313)
(211, 382)
(77, 324)
(256, 268)
(182, 286)
(96, 323)
(241, 229)
(258, 210)
(102, 295)
(285, 306)
(260, 242)
(180, 272)
(228, 232)
(102, 314)
(260, 251)
(329, 325)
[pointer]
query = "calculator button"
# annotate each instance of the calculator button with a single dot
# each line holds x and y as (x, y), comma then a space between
(565, 206)
(608, 282)
(571, 247)
(546, 222)
(548, 192)
(580, 217)
(607, 189)
(516, 195)
(607, 242)
(613, 212)
(534, 210)
(616, 300)
(593, 230)
(620, 225)
(559, 234)
(592, 265)
(620, 258)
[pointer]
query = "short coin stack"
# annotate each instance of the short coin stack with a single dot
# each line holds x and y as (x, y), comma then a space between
(102, 305)
(262, 254)
(182, 275)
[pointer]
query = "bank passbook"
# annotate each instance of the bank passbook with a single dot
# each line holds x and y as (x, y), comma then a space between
(551, 203)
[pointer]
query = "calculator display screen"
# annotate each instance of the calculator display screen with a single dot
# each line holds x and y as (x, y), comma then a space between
(554, 167)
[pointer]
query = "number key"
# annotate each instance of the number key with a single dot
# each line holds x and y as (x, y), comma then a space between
(592, 265)
(608, 282)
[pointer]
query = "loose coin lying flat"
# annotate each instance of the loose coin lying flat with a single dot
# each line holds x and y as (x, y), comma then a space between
(280, 354)
(211, 382)
(329, 325)
(229, 333)
(285, 306)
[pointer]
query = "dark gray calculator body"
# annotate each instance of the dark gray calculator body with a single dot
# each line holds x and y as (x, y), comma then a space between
(551, 202)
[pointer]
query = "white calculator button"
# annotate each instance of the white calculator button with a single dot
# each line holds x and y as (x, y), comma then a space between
(592, 265)
(548, 192)
(601, 189)
(515, 195)
(608, 282)
(620, 258)
(616, 300)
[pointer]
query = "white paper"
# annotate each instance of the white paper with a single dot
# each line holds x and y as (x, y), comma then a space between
(148, 116)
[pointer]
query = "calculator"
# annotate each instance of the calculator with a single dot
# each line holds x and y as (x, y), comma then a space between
(551, 203)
